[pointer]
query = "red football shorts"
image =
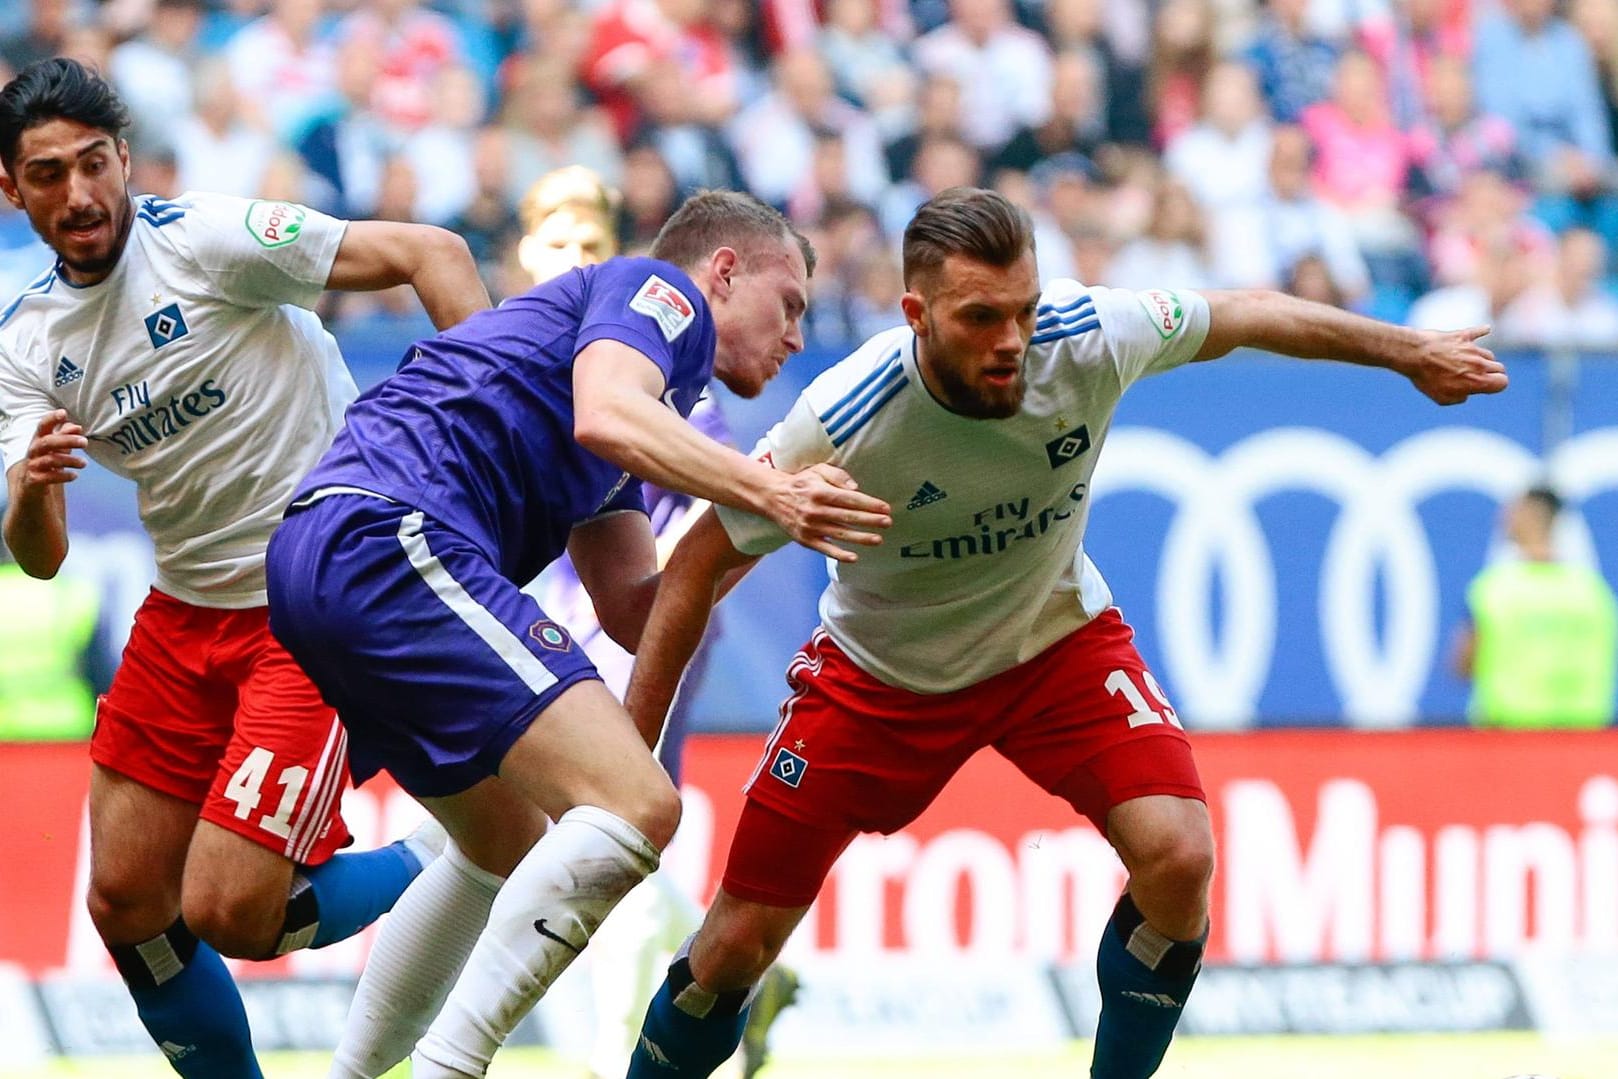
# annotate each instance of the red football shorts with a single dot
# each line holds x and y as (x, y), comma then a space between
(209, 708)
(1084, 719)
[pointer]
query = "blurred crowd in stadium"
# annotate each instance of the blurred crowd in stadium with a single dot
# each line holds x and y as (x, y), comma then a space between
(1445, 162)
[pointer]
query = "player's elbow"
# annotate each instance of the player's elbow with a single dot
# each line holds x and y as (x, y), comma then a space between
(602, 429)
(440, 247)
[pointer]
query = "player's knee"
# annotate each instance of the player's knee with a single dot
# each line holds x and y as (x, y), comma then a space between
(242, 923)
(127, 908)
(1182, 864)
(655, 811)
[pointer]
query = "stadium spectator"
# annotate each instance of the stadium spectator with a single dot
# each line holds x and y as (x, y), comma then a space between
(215, 148)
(1540, 644)
(859, 52)
(1534, 70)
(489, 222)
(1296, 225)
(153, 71)
(1294, 66)
(1003, 70)
(936, 112)
(1597, 23)
(1408, 43)
(941, 162)
(283, 66)
(1362, 163)
(49, 24)
(1173, 253)
(694, 147)
(1567, 308)
(1078, 115)
(1115, 36)
(1455, 140)
(549, 128)
(775, 136)
(1182, 55)
(1224, 161)
(649, 198)
(343, 141)
(630, 39)
(414, 44)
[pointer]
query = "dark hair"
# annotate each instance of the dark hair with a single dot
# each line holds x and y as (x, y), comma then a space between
(981, 224)
(710, 220)
(57, 89)
(1545, 498)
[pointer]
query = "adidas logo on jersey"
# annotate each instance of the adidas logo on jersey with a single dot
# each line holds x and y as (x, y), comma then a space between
(67, 371)
(926, 495)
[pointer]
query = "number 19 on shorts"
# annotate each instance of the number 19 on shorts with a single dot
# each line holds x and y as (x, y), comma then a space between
(1121, 683)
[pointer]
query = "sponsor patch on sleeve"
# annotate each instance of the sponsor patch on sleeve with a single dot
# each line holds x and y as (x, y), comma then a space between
(665, 305)
(1165, 309)
(275, 224)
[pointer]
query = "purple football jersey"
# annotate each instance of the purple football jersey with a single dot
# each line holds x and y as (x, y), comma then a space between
(475, 429)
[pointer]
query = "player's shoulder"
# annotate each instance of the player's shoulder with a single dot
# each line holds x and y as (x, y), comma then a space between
(1067, 315)
(652, 287)
(863, 375)
(31, 301)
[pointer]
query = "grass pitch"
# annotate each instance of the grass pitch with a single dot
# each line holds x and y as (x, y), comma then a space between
(1478, 1056)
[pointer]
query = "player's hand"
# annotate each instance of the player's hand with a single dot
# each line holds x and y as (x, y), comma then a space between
(822, 507)
(53, 453)
(1451, 366)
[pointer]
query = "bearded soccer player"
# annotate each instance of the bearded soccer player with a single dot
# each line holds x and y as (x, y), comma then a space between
(979, 622)
(172, 342)
(396, 581)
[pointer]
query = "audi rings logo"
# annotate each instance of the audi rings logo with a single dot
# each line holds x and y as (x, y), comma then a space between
(1219, 671)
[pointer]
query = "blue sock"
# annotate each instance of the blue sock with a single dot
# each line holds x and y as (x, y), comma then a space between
(1145, 979)
(189, 1005)
(688, 1030)
(336, 899)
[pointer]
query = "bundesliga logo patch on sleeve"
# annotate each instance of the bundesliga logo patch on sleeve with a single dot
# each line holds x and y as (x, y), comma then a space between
(665, 305)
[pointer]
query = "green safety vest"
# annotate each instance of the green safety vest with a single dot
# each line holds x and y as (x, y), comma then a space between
(1547, 646)
(45, 626)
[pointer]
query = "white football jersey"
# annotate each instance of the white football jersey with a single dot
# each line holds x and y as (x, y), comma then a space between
(197, 370)
(984, 567)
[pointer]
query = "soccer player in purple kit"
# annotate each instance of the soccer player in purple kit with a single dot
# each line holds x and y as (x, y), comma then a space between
(395, 577)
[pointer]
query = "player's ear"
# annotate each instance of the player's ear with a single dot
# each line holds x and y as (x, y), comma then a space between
(8, 187)
(914, 308)
(722, 265)
(123, 155)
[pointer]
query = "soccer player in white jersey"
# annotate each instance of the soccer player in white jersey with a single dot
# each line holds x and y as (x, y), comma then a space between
(172, 342)
(979, 621)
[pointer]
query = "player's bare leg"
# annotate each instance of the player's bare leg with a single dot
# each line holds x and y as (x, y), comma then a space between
(235, 895)
(186, 999)
(404, 984)
(1151, 951)
(695, 1021)
(584, 765)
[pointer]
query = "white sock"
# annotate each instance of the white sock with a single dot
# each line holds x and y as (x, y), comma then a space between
(543, 917)
(419, 951)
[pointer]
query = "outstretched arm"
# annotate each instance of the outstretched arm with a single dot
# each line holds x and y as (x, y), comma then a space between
(433, 261)
(618, 415)
(1446, 366)
(699, 573)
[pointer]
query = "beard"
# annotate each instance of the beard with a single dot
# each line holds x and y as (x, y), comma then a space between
(99, 265)
(985, 401)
